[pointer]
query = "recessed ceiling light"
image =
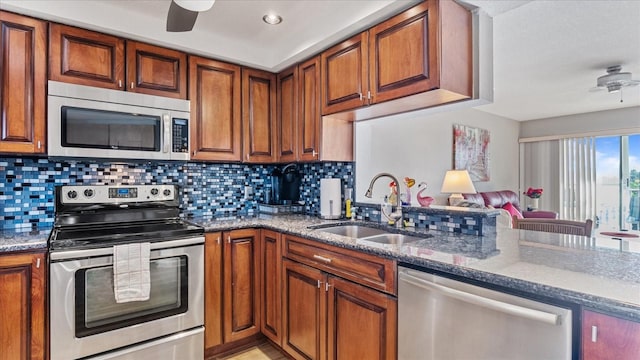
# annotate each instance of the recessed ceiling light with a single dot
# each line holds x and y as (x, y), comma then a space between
(272, 19)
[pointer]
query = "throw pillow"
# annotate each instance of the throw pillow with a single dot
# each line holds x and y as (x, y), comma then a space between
(512, 210)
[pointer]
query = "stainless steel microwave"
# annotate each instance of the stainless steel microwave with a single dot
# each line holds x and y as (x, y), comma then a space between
(85, 121)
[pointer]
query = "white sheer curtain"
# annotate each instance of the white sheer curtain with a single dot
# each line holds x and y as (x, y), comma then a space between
(577, 178)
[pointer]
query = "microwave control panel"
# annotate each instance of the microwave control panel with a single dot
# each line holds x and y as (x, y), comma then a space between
(180, 135)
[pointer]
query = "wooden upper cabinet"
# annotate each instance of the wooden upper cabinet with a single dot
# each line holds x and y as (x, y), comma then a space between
(287, 115)
(94, 59)
(309, 117)
(403, 54)
(85, 57)
(345, 69)
(22, 79)
(22, 300)
(155, 70)
(606, 337)
(259, 116)
(422, 56)
(215, 94)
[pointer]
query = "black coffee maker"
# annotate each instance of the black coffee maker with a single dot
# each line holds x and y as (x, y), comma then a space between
(285, 185)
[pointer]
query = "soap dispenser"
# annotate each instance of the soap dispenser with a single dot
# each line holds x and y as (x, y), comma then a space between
(347, 202)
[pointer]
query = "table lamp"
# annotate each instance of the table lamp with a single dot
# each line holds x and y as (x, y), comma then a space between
(456, 183)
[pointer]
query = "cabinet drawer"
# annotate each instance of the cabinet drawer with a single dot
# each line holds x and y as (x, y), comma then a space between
(362, 268)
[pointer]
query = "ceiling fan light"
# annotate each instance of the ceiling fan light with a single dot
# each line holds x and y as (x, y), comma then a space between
(195, 5)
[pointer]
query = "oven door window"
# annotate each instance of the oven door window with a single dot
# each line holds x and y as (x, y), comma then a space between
(96, 308)
(101, 129)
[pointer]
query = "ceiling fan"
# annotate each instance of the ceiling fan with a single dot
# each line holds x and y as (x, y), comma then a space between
(615, 80)
(183, 14)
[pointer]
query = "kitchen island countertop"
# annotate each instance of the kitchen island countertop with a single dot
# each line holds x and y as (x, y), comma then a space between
(598, 273)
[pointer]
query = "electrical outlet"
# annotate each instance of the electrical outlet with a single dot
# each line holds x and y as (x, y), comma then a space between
(248, 192)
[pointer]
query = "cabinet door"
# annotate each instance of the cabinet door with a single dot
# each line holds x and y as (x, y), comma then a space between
(361, 322)
(214, 91)
(345, 75)
(85, 57)
(309, 118)
(241, 278)
(213, 290)
(271, 285)
(606, 337)
(304, 312)
(155, 70)
(22, 300)
(259, 116)
(22, 80)
(403, 54)
(287, 95)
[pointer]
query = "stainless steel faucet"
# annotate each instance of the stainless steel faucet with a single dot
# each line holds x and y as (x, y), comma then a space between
(397, 215)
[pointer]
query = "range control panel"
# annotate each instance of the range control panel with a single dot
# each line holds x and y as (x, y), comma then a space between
(108, 194)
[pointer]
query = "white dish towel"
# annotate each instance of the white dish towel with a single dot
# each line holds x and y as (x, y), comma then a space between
(131, 278)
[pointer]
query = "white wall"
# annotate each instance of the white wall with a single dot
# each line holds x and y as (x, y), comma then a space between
(420, 146)
(599, 121)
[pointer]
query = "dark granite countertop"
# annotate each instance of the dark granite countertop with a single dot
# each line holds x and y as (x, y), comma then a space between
(598, 273)
(21, 240)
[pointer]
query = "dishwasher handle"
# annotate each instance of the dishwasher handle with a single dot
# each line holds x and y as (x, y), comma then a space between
(516, 310)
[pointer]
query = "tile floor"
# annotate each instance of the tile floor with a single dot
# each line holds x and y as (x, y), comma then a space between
(264, 351)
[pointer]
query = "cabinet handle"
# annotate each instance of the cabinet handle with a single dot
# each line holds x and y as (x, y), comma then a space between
(132, 84)
(194, 153)
(360, 94)
(322, 258)
(229, 239)
(218, 240)
(319, 283)
(368, 94)
(314, 153)
(326, 286)
(594, 333)
(38, 263)
(120, 83)
(39, 144)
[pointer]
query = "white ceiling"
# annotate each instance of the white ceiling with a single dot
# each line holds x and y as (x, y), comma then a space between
(547, 54)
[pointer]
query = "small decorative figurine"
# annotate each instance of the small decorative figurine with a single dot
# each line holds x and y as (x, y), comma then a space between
(408, 182)
(424, 201)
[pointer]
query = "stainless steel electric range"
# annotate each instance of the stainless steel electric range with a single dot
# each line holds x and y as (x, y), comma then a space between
(86, 321)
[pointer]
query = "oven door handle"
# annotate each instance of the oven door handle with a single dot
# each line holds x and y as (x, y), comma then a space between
(74, 254)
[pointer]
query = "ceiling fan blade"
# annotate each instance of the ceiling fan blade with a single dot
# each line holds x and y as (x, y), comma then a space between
(180, 19)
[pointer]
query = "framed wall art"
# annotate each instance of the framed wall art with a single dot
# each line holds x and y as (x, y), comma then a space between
(471, 151)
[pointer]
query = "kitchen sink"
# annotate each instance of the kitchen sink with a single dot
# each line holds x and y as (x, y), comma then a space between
(354, 231)
(392, 239)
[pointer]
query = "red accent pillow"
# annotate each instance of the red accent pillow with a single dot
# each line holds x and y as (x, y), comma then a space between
(513, 211)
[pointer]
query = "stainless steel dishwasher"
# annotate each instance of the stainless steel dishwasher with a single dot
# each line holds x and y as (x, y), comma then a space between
(443, 319)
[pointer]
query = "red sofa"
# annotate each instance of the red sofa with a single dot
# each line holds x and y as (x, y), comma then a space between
(498, 199)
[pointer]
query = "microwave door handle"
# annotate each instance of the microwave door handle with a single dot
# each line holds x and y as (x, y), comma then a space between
(166, 120)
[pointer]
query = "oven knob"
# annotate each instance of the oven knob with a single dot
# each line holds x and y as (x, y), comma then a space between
(72, 194)
(154, 191)
(166, 192)
(88, 193)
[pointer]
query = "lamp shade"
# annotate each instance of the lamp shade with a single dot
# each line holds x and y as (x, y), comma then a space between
(457, 182)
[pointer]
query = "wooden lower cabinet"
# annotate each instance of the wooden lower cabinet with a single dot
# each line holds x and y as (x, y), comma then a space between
(326, 317)
(271, 285)
(231, 287)
(22, 300)
(605, 337)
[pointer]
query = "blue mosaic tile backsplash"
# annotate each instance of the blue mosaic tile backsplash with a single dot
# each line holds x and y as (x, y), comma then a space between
(26, 185)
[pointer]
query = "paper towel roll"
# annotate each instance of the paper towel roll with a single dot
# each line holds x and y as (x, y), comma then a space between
(330, 198)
